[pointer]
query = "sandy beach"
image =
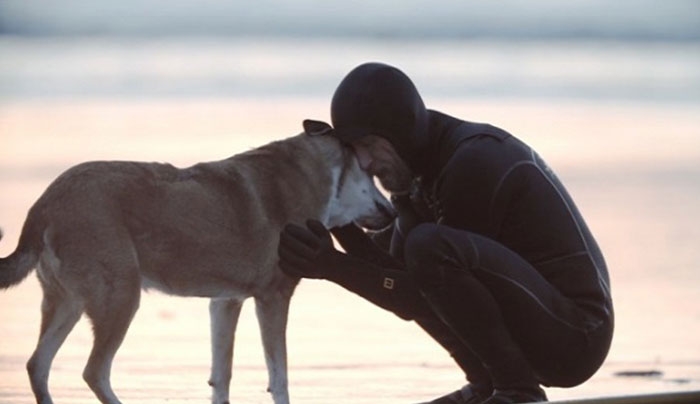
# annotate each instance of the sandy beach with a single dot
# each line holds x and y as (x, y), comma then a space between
(632, 168)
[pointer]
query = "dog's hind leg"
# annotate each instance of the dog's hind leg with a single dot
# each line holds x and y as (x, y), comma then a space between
(111, 307)
(59, 314)
(272, 311)
(224, 314)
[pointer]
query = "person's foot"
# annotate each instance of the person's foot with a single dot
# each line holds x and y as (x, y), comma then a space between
(465, 395)
(516, 396)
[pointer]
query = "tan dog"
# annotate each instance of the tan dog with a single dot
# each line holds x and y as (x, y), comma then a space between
(104, 230)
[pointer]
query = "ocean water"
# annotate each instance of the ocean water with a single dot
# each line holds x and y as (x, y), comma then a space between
(125, 67)
(619, 121)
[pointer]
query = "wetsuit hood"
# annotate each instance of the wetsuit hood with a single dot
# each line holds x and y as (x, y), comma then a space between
(381, 100)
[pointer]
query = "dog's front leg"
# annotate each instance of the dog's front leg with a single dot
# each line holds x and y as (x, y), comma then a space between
(272, 311)
(224, 315)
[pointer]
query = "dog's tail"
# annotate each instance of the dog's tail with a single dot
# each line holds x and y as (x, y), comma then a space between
(17, 266)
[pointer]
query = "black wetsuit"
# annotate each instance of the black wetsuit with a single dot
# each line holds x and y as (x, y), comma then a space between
(497, 265)
(507, 256)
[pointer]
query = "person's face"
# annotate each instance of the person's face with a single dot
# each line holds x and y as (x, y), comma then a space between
(379, 158)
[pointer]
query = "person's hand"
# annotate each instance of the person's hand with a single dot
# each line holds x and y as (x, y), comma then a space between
(412, 210)
(407, 217)
(307, 252)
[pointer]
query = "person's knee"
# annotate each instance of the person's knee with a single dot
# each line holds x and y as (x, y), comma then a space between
(423, 255)
(435, 254)
(421, 245)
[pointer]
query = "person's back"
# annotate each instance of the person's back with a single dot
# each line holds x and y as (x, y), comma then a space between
(487, 181)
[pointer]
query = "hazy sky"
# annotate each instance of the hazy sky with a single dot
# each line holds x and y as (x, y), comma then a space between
(626, 19)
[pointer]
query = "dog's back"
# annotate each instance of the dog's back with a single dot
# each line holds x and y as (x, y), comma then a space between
(187, 223)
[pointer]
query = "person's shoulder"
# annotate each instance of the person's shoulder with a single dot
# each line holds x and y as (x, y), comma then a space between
(482, 129)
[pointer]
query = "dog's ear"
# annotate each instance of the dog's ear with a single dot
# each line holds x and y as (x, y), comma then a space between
(316, 128)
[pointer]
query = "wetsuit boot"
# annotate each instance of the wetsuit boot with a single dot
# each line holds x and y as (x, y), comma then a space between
(479, 385)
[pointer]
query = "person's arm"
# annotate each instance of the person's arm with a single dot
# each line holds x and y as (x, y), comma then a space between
(357, 243)
(308, 252)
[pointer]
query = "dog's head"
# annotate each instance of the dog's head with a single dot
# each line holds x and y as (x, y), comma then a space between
(355, 197)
